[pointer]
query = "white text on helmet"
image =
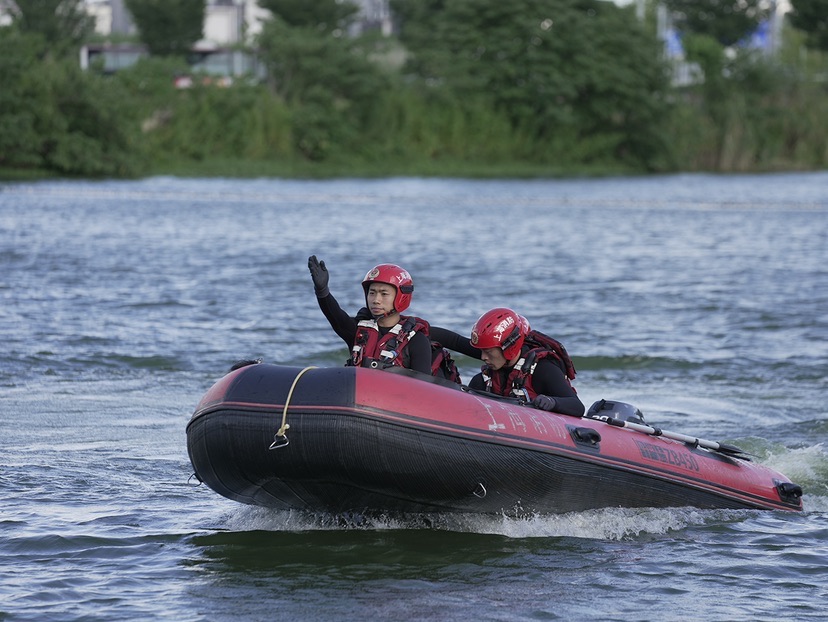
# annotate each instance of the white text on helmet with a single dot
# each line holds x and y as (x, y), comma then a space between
(504, 324)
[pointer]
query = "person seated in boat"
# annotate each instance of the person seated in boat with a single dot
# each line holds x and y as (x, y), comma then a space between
(518, 361)
(379, 336)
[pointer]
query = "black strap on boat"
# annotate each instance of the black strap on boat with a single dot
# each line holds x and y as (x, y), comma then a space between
(280, 439)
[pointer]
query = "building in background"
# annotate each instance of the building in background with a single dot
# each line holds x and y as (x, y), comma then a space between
(228, 25)
(231, 24)
(767, 39)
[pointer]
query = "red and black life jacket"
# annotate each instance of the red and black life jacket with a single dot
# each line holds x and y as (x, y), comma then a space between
(372, 349)
(442, 365)
(536, 347)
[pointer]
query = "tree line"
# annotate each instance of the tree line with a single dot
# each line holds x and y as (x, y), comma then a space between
(465, 87)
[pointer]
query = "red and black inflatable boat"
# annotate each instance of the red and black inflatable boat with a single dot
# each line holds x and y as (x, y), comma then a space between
(351, 439)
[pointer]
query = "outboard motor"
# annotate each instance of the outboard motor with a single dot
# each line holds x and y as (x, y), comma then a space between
(620, 411)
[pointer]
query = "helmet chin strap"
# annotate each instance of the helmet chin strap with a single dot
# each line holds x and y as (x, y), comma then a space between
(384, 315)
(379, 317)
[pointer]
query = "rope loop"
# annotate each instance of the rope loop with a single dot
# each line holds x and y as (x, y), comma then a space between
(280, 439)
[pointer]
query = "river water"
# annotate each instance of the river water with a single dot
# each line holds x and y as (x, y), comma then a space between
(701, 299)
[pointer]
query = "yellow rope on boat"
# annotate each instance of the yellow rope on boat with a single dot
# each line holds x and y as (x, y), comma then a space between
(281, 433)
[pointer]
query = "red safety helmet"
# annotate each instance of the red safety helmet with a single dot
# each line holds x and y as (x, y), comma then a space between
(393, 275)
(500, 328)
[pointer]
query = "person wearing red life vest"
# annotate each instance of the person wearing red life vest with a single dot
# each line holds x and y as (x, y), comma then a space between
(518, 361)
(382, 337)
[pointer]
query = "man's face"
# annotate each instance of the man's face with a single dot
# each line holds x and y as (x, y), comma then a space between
(493, 357)
(381, 298)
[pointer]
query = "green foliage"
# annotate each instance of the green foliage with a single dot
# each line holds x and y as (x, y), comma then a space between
(18, 135)
(206, 121)
(709, 54)
(151, 81)
(328, 81)
(168, 27)
(436, 126)
(57, 118)
(761, 118)
(564, 70)
(320, 15)
(741, 117)
(65, 24)
(530, 87)
(84, 125)
(811, 17)
(726, 21)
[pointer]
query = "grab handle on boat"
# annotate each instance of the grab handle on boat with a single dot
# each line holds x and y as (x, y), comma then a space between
(280, 439)
(586, 436)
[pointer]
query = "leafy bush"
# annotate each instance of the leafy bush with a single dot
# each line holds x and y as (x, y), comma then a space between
(58, 118)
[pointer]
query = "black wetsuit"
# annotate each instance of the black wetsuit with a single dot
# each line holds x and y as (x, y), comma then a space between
(548, 378)
(419, 346)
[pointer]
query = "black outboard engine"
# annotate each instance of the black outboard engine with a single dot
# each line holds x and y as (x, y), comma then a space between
(619, 411)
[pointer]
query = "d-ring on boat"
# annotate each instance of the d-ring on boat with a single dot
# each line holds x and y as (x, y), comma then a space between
(351, 439)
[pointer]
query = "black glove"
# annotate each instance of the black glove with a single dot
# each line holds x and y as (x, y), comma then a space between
(544, 402)
(319, 274)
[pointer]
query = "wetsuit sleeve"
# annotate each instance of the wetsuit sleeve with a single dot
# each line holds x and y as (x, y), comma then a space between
(419, 351)
(548, 379)
(454, 341)
(342, 323)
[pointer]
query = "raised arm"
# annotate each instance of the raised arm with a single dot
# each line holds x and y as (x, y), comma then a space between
(342, 323)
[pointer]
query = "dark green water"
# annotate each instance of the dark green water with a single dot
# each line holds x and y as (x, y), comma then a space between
(701, 299)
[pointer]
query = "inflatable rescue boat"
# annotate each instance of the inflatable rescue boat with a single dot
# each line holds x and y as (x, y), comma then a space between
(351, 439)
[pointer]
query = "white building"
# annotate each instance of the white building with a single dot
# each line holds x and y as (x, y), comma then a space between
(228, 22)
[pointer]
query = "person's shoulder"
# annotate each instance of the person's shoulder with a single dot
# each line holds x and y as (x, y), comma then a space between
(420, 336)
(549, 363)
